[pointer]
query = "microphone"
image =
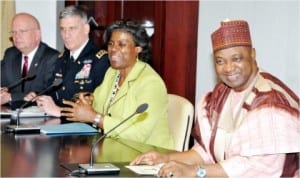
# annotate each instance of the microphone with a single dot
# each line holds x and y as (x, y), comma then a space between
(18, 82)
(17, 128)
(105, 168)
(55, 83)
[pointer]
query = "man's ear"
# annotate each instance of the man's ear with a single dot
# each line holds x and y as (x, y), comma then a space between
(87, 28)
(253, 53)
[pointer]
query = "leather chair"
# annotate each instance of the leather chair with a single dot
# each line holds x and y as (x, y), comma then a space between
(181, 117)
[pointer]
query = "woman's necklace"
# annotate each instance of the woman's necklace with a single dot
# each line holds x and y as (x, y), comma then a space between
(114, 91)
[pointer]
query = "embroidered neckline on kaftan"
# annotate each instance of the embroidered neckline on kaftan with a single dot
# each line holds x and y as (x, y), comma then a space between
(236, 99)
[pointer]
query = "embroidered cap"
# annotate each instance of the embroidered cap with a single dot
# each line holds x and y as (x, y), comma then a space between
(231, 33)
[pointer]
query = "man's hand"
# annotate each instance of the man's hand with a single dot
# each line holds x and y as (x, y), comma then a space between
(47, 104)
(5, 95)
(150, 158)
(177, 169)
(30, 96)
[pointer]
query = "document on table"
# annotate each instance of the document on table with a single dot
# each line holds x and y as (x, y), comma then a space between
(32, 111)
(146, 169)
(69, 128)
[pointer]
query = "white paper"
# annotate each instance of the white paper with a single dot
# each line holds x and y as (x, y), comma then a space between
(32, 111)
(146, 169)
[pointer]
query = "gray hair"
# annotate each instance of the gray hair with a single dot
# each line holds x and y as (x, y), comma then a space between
(74, 11)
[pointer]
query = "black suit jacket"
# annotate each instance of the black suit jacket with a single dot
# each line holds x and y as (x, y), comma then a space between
(42, 66)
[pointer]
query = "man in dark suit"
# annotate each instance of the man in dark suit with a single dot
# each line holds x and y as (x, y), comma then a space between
(81, 66)
(28, 57)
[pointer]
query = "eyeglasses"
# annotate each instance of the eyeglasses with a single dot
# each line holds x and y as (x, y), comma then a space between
(20, 32)
(128, 23)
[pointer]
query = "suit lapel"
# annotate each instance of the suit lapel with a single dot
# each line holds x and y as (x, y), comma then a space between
(86, 50)
(37, 59)
(129, 81)
(17, 60)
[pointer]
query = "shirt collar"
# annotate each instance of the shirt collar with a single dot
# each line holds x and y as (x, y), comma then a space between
(77, 52)
(30, 55)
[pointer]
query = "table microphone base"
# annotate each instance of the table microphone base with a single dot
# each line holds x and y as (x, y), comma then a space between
(23, 129)
(100, 169)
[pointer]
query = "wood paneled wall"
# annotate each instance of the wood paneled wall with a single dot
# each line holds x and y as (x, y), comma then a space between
(174, 41)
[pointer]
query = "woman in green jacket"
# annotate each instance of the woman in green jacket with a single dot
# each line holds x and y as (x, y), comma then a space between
(128, 83)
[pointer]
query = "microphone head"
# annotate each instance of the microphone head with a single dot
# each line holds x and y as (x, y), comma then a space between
(13, 85)
(142, 108)
(57, 82)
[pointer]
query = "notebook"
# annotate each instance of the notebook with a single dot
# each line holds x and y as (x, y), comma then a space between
(69, 128)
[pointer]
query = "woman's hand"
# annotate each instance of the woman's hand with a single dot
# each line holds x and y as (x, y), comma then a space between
(87, 97)
(81, 110)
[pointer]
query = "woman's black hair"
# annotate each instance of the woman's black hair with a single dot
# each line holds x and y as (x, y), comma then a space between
(138, 32)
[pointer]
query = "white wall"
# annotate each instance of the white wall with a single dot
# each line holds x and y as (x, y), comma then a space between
(275, 31)
(46, 12)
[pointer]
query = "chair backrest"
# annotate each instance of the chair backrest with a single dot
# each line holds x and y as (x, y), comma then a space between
(181, 116)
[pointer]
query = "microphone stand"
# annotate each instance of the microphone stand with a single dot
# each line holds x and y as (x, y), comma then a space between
(107, 168)
(104, 135)
(16, 128)
(19, 110)
(18, 116)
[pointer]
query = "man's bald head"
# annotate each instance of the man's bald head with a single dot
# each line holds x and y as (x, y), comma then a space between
(26, 32)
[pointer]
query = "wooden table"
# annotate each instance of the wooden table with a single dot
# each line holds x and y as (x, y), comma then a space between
(37, 155)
